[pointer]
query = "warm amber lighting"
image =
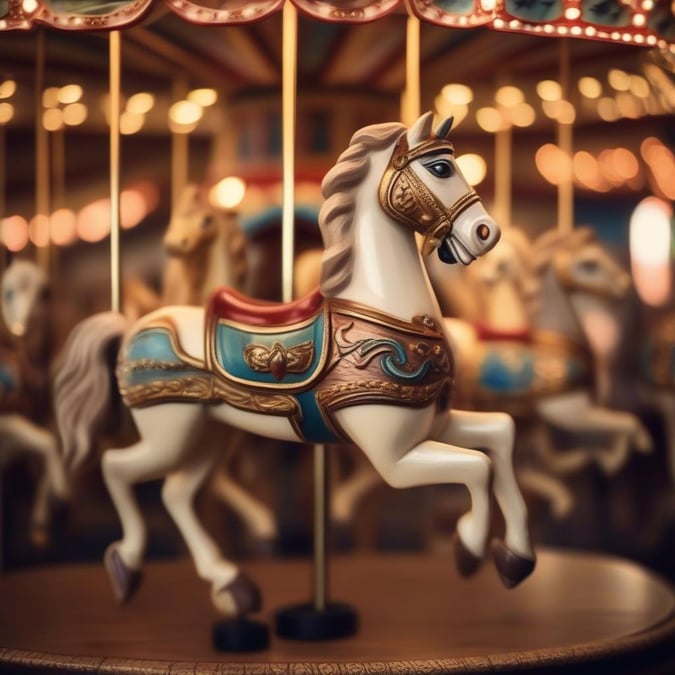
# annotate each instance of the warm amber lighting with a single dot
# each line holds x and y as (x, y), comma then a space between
(185, 113)
(608, 168)
(650, 246)
(509, 96)
(457, 94)
(522, 115)
(131, 123)
(587, 172)
(93, 221)
(63, 226)
(132, 208)
(444, 109)
(71, 93)
(618, 79)
(661, 164)
(490, 120)
(553, 164)
(203, 97)
(7, 89)
(228, 193)
(38, 230)
(561, 111)
(50, 97)
(590, 87)
(6, 112)
(608, 110)
(14, 233)
(140, 103)
(74, 114)
(549, 90)
(473, 167)
(639, 86)
(29, 6)
(629, 106)
(52, 119)
(625, 163)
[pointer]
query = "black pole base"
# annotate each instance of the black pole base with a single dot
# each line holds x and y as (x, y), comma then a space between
(240, 635)
(305, 622)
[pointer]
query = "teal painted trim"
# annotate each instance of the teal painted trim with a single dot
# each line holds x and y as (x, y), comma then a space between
(152, 343)
(312, 424)
(392, 363)
(231, 343)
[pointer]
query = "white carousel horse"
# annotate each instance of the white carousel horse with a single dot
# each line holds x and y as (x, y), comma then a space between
(366, 361)
(24, 389)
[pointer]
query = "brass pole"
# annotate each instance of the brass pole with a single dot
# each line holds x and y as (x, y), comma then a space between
(41, 150)
(503, 149)
(320, 527)
(115, 95)
(4, 253)
(288, 105)
(180, 150)
(565, 143)
(411, 100)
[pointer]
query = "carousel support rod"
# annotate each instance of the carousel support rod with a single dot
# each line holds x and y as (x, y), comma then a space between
(288, 105)
(4, 253)
(565, 143)
(180, 150)
(41, 151)
(503, 150)
(115, 86)
(412, 97)
(320, 527)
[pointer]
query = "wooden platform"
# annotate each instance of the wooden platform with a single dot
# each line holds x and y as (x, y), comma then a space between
(578, 611)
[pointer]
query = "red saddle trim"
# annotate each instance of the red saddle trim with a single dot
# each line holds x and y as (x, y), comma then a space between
(228, 304)
(487, 333)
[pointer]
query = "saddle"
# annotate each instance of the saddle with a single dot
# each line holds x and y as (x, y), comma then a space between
(230, 305)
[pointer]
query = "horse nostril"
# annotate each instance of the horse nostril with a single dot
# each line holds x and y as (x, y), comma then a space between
(483, 232)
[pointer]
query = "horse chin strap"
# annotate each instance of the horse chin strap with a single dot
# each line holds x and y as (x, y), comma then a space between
(405, 198)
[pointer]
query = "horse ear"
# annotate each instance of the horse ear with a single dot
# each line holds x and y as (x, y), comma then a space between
(445, 127)
(421, 130)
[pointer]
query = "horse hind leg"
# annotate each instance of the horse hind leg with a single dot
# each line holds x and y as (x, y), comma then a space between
(166, 431)
(232, 592)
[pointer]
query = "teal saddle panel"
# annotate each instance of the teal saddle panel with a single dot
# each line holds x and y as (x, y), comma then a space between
(279, 357)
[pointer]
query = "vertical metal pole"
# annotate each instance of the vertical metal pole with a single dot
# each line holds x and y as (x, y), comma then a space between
(320, 527)
(115, 86)
(503, 148)
(288, 111)
(179, 151)
(411, 107)
(41, 150)
(565, 143)
(3, 206)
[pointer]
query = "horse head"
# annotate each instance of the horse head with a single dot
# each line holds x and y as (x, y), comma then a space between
(25, 292)
(424, 188)
(194, 224)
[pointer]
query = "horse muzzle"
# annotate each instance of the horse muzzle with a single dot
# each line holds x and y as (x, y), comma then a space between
(473, 235)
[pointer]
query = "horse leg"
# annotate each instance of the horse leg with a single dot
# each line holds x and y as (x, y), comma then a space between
(348, 494)
(257, 517)
(232, 592)
(396, 453)
(554, 491)
(166, 433)
(495, 432)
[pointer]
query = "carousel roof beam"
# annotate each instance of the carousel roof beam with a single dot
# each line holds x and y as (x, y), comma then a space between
(204, 68)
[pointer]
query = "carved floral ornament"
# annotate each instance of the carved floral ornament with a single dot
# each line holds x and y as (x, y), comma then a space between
(639, 22)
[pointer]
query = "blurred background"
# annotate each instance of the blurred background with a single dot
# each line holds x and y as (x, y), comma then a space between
(202, 105)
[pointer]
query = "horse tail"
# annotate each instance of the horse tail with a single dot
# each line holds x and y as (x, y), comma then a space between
(84, 389)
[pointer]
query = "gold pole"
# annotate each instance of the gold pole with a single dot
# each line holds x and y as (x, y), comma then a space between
(565, 143)
(180, 148)
(320, 527)
(503, 148)
(288, 105)
(411, 99)
(115, 85)
(41, 150)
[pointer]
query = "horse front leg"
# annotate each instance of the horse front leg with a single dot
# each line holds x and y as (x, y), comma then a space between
(495, 432)
(390, 438)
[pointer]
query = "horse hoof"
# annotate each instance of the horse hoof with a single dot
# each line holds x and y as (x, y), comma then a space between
(467, 562)
(125, 580)
(512, 567)
(238, 598)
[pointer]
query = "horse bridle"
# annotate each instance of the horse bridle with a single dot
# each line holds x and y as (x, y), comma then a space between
(405, 197)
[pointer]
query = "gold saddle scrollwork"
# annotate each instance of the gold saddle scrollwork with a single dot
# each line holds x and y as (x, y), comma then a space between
(278, 360)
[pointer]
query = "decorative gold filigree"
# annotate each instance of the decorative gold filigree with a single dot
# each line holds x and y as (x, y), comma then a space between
(278, 360)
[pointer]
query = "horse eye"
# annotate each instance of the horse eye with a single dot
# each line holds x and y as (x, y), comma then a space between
(207, 222)
(440, 168)
(588, 266)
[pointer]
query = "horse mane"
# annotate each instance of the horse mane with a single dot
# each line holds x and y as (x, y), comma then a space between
(336, 214)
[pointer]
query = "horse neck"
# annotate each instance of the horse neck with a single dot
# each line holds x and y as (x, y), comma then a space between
(220, 268)
(557, 312)
(504, 307)
(387, 268)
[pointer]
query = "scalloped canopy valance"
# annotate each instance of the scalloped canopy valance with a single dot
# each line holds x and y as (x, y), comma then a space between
(641, 22)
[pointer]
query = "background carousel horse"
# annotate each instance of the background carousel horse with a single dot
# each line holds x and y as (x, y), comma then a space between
(369, 347)
(24, 389)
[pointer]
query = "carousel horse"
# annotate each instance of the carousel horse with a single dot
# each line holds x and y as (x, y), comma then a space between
(24, 389)
(364, 361)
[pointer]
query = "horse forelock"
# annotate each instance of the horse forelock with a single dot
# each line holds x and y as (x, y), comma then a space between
(336, 214)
